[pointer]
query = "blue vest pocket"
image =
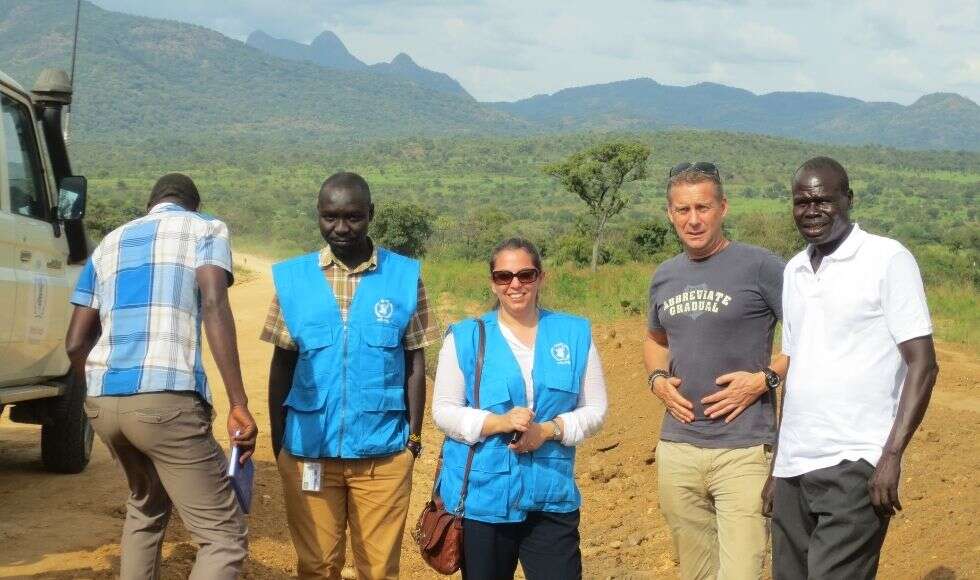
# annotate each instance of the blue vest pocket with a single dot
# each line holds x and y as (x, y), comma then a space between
(494, 395)
(553, 474)
(490, 482)
(306, 400)
(314, 337)
(381, 421)
(383, 354)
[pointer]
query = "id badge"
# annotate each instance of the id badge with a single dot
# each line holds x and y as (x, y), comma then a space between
(311, 476)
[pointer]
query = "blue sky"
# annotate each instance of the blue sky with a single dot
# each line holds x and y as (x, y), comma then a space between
(880, 50)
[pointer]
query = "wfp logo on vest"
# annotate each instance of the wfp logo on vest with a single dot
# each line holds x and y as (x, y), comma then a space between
(383, 309)
(561, 353)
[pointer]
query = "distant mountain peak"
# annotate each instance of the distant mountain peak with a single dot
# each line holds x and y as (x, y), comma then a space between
(328, 39)
(326, 50)
(945, 101)
(402, 59)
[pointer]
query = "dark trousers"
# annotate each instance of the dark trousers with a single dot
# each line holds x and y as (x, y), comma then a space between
(824, 526)
(547, 545)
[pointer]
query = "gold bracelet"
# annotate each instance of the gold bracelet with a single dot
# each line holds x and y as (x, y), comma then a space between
(415, 438)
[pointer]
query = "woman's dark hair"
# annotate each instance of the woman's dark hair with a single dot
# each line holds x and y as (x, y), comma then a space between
(517, 244)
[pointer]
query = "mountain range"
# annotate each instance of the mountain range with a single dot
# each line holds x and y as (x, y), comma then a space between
(327, 50)
(143, 80)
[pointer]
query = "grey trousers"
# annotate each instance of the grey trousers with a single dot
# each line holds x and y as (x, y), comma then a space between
(824, 526)
(163, 442)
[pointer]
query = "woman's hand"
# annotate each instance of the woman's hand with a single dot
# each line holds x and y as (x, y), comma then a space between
(533, 438)
(517, 419)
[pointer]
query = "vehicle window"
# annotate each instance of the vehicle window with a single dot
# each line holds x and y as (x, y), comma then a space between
(24, 175)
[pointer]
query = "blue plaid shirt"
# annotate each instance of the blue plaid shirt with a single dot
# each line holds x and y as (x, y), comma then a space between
(142, 279)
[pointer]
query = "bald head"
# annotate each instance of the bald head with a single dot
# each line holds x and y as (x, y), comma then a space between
(831, 173)
(351, 187)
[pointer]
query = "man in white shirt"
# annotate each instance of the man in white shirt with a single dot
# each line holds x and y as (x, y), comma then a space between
(862, 366)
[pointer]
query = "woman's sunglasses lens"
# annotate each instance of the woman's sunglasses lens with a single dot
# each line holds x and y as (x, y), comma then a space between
(501, 277)
(527, 276)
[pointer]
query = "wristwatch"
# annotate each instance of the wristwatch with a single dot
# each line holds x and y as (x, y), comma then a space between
(556, 436)
(414, 444)
(772, 378)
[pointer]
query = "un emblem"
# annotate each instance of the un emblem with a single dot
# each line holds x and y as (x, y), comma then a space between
(561, 353)
(383, 309)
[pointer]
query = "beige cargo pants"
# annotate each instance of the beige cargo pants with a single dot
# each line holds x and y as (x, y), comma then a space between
(163, 442)
(712, 501)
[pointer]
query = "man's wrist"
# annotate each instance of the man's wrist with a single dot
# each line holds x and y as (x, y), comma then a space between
(656, 374)
(239, 403)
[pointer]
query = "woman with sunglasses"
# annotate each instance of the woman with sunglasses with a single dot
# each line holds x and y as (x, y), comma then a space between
(542, 392)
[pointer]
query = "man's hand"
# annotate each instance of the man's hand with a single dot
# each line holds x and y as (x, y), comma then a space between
(533, 438)
(739, 390)
(240, 421)
(666, 388)
(768, 495)
(883, 485)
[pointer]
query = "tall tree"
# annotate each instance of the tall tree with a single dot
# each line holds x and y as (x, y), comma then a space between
(597, 175)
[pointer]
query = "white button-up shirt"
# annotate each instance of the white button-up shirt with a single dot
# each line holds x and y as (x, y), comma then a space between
(841, 329)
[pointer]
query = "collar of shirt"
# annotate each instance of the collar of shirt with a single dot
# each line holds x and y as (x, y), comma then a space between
(845, 251)
(328, 259)
(165, 206)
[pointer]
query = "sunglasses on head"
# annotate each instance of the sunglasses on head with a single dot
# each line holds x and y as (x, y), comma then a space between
(505, 277)
(699, 166)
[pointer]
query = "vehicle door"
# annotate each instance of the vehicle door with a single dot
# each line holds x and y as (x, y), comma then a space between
(8, 272)
(38, 258)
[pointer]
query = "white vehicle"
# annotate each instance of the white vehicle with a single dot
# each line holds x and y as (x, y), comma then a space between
(42, 249)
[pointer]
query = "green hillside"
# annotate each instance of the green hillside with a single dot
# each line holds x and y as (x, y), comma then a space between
(140, 78)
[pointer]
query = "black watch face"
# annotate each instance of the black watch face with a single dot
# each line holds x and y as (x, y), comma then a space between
(772, 379)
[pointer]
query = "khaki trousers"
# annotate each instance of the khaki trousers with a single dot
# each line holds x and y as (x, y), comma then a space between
(371, 495)
(163, 442)
(711, 499)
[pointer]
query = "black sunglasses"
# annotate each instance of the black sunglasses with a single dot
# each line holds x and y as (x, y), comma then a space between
(699, 166)
(505, 277)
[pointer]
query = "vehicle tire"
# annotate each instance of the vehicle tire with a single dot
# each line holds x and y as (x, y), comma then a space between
(66, 437)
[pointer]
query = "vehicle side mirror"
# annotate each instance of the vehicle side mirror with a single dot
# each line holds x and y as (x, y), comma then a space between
(71, 197)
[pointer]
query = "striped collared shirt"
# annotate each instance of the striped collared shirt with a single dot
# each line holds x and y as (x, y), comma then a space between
(142, 279)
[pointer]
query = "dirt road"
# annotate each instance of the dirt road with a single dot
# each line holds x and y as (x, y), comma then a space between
(55, 526)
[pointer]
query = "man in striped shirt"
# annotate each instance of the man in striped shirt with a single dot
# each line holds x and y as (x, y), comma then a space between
(135, 339)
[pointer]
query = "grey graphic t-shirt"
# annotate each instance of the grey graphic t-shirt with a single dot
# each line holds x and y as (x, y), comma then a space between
(719, 315)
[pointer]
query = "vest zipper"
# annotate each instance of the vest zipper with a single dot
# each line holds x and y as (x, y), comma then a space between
(343, 392)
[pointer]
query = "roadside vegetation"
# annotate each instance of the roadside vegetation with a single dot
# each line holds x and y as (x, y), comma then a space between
(452, 199)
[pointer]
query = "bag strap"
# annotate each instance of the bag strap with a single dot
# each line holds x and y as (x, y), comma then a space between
(482, 345)
(481, 348)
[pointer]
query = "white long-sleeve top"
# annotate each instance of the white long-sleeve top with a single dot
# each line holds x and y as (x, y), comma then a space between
(464, 424)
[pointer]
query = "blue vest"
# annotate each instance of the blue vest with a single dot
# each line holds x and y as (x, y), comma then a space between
(503, 485)
(348, 394)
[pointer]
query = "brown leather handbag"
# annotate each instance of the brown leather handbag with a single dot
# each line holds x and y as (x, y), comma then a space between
(439, 533)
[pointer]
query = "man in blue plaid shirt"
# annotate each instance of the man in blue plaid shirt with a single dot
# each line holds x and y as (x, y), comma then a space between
(135, 339)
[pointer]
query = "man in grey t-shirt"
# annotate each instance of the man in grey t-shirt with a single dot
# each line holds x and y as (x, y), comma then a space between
(713, 310)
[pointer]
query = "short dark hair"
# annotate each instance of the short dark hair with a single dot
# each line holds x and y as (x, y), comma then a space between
(826, 163)
(177, 186)
(692, 177)
(347, 181)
